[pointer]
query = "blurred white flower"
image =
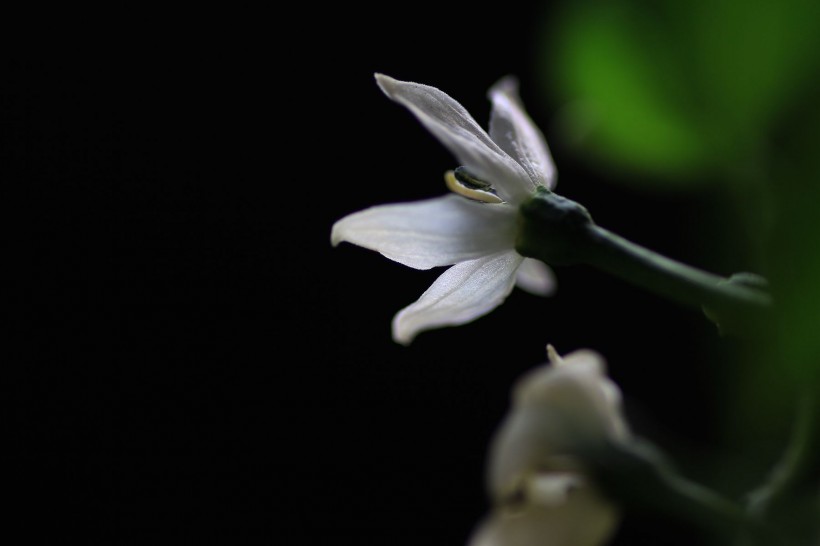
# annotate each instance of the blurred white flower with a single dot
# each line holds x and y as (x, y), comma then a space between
(541, 493)
(475, 227)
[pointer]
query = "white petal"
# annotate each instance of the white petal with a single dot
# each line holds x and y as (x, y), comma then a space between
(513, 130)
(535, 277)
(589, 368)
(459, 132)
(577, 382)
(552, 488)
(558, 410)
(430, 233)
(464, 292)
(585, 519)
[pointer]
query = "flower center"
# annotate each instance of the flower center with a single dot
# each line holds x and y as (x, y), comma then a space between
(466, 185)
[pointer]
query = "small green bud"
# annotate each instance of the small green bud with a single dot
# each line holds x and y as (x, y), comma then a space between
(730, 321)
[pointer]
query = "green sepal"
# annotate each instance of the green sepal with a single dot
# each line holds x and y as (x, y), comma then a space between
(553, 229)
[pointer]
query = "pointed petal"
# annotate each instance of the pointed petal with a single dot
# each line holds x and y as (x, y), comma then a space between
(463, 293)
(535, 277)
(430, 233)
(459, 132)
(513, 130)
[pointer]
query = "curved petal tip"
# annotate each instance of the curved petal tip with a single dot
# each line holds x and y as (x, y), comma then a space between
(387, 84)
(507, 85)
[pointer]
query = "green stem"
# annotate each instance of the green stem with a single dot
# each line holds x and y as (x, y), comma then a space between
(639, 477)
(559, 231)
(705, 506)
(791, 466)
(665, 276)
(774, 506)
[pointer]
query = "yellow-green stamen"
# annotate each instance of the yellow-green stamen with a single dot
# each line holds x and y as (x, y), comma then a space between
(464, 186)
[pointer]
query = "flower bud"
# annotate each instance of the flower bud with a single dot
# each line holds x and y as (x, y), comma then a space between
(541, 491)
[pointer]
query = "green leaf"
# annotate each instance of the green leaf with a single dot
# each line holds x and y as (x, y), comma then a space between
(751, 57)
(679, 91)
(622, 94)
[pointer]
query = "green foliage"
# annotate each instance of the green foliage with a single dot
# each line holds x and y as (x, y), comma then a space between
(686, 93)
(678, 91)
(795, 244)
(605, 63)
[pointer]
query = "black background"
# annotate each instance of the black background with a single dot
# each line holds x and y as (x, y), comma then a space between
(197, 361)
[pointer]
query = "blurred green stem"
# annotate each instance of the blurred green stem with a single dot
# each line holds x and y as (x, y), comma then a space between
(638, 477)
(775, 498)
(788, 470)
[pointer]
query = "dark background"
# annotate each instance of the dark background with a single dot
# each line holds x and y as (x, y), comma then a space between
(197, 361)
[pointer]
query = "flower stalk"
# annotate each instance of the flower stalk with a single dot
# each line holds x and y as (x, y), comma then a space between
(561, 232)
(643, 481)
(794, 463)
(793, 480)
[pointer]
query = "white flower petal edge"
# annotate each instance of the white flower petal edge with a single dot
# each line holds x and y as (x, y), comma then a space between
(463, 136)
(535, 474)
(585, 519)
(434, 232)
(464, 292)
(515, 133)
(535, 277)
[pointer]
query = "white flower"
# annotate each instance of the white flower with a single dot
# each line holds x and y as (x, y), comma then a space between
(475, 229)
(541, 494)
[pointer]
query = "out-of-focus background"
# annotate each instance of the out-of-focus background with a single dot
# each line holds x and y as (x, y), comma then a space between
(200, 362)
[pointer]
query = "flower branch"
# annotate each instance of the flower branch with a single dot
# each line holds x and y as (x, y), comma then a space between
(642, 480)
(502, 223)
(560, 231)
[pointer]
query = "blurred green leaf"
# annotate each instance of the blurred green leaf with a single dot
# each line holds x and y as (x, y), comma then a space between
(795, 245)
(620, 87)
(678, 90)
(786, 366)
(751, 56)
